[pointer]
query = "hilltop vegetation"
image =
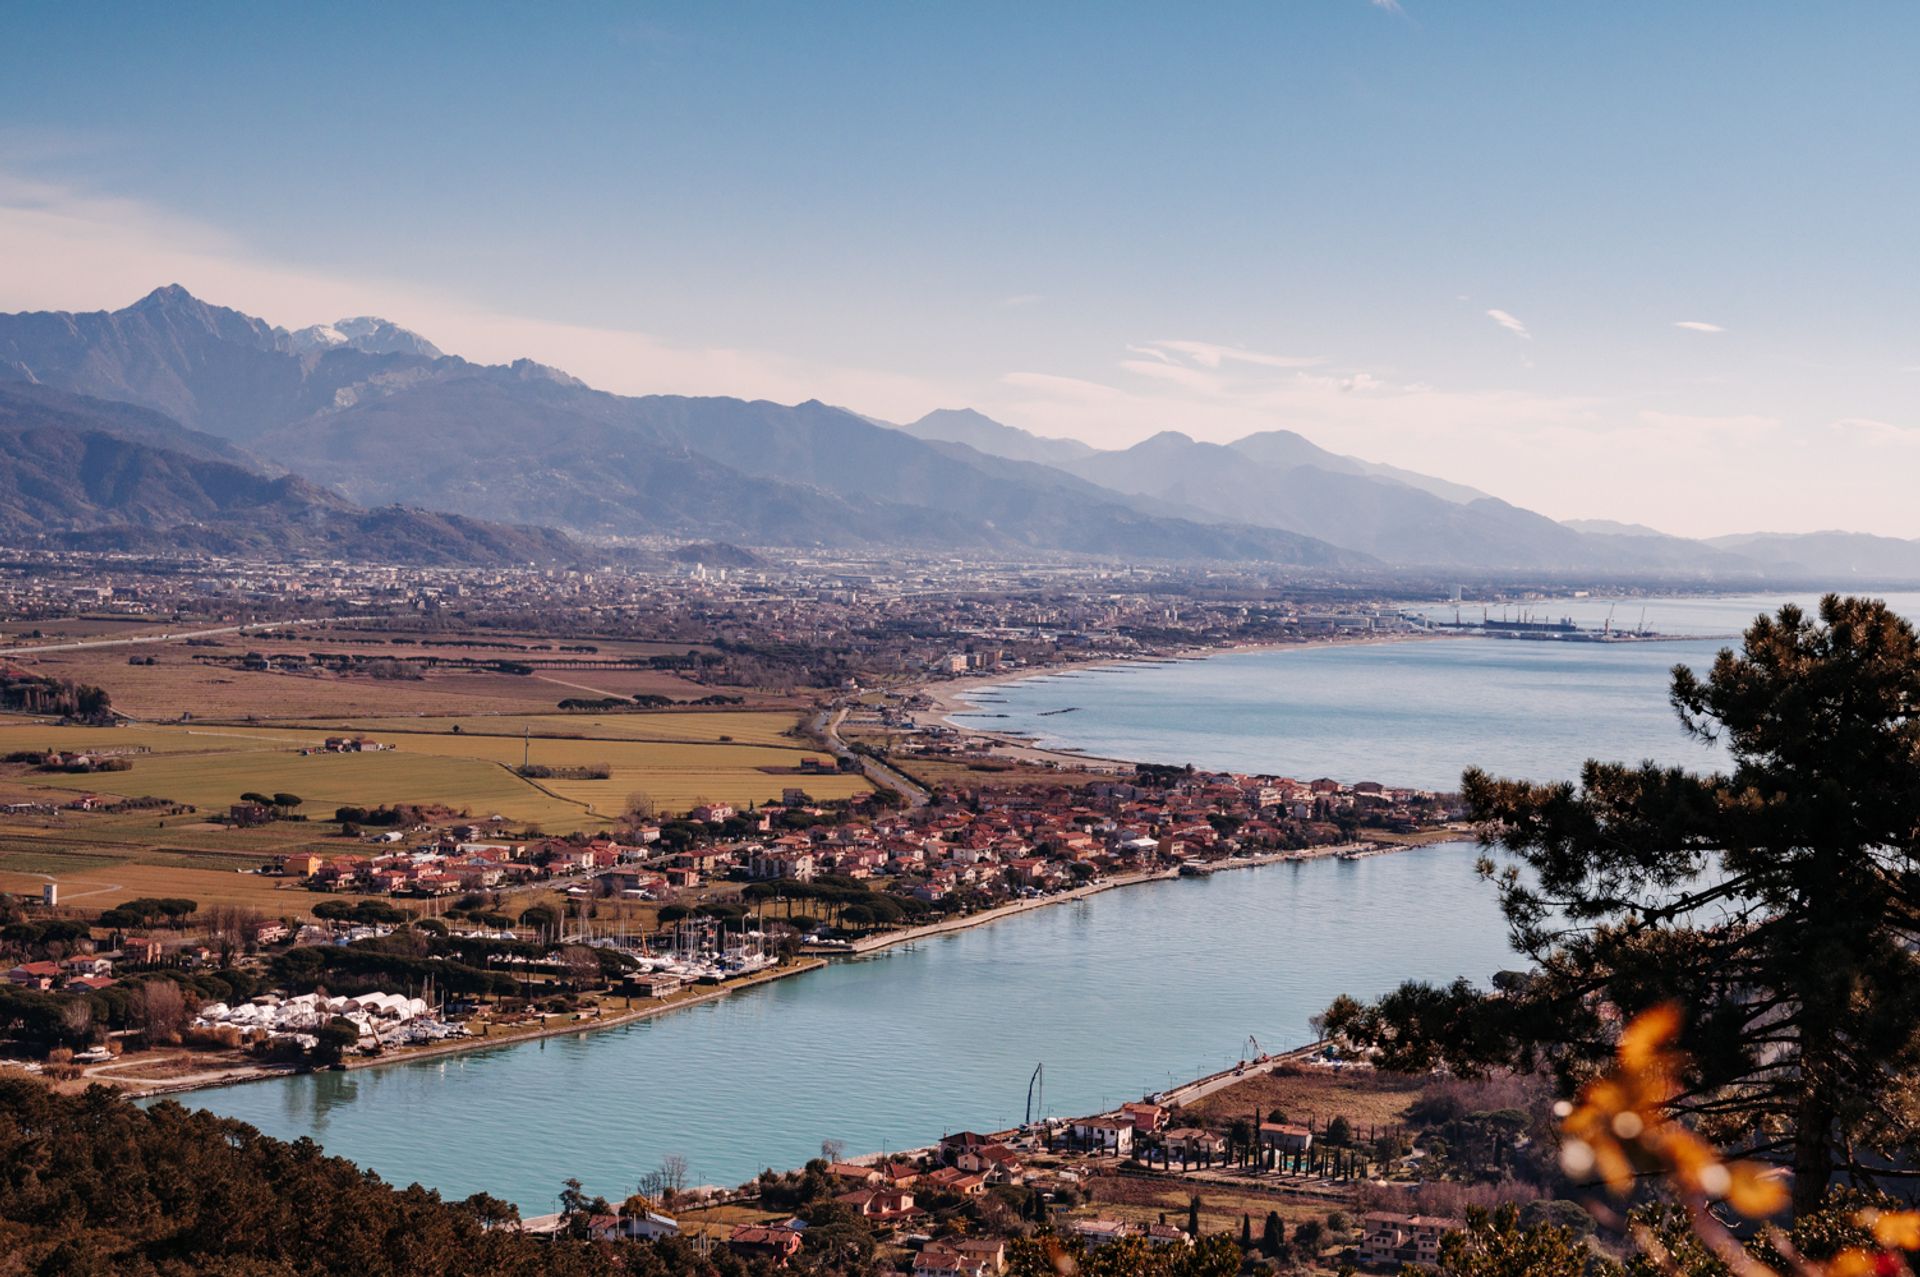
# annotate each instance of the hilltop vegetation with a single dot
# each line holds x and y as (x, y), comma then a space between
(93, 1185)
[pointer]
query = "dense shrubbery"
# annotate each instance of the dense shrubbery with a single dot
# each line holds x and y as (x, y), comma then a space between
(399, 961)
(55, 761)
(35, 694)
(148, 911)
(586, 771)
(95, 1185)
(848, 902)
(45, 1021)
(368, 913)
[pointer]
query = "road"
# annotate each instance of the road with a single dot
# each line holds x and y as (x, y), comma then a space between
(171, 636)
(826, 725)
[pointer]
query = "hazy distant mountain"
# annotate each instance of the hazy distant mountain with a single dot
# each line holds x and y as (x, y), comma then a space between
(1834, 556)
(1285, 450)
(1382, 516)
(367, 334)
(379, 414)
(79, 473)
(385, 418)
(1280, 449)
(1613, 528)
(25, 403)
(1282, 480)
(964, 425)
(727, 469)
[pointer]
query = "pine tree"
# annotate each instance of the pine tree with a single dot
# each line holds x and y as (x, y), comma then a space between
(1776, 904)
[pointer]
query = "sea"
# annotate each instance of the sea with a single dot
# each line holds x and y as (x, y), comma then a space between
(1076, 1008)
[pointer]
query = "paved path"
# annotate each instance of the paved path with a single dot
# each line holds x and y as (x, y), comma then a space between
(171, 636)
(826, 725)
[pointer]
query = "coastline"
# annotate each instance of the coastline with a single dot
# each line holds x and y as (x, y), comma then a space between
(954, 696)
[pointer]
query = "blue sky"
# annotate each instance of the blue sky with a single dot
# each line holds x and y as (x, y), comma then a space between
(1456, 236)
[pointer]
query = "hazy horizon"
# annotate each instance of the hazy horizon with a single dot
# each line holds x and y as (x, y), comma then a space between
(1630, 263)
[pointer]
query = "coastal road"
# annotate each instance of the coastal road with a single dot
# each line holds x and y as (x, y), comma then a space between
(171, 636)
(826, 725)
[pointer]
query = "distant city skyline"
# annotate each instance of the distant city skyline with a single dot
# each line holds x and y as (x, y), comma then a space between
(1626, 261)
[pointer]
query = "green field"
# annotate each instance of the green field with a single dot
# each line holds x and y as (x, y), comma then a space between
(745, 727)
(211, 766)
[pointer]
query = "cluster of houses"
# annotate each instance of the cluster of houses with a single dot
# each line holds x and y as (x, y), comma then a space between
(461, 860)
(885, 1193)
(1037, 840)
(83, 973)
(92, 971)
(996, 844)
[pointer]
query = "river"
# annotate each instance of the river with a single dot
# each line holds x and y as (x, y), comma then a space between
(1119, 994)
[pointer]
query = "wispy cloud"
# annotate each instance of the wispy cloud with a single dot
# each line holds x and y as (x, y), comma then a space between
(1698, 326)
(1021, 300)
(1875, 429)
(1388, 6)
(1509, 323)
(1211, 355)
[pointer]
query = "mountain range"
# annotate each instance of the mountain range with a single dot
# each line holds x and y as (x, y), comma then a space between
(363, 413)
(85, 474)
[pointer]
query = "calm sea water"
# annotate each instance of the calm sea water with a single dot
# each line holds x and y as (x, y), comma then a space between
(1409, 713)
(1118, 995)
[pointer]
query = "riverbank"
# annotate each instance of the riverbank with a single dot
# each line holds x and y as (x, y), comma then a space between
(888, 939)
(1363, 847)
(227, 1076)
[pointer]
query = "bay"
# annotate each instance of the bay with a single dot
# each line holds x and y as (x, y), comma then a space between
(1411, 712)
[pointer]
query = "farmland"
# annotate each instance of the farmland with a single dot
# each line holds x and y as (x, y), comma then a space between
(437, 674)
(708, 727)
(679, 763)
(108, 883)
(214, 717)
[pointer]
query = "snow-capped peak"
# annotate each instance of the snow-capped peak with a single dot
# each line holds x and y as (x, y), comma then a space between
(368, 333)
